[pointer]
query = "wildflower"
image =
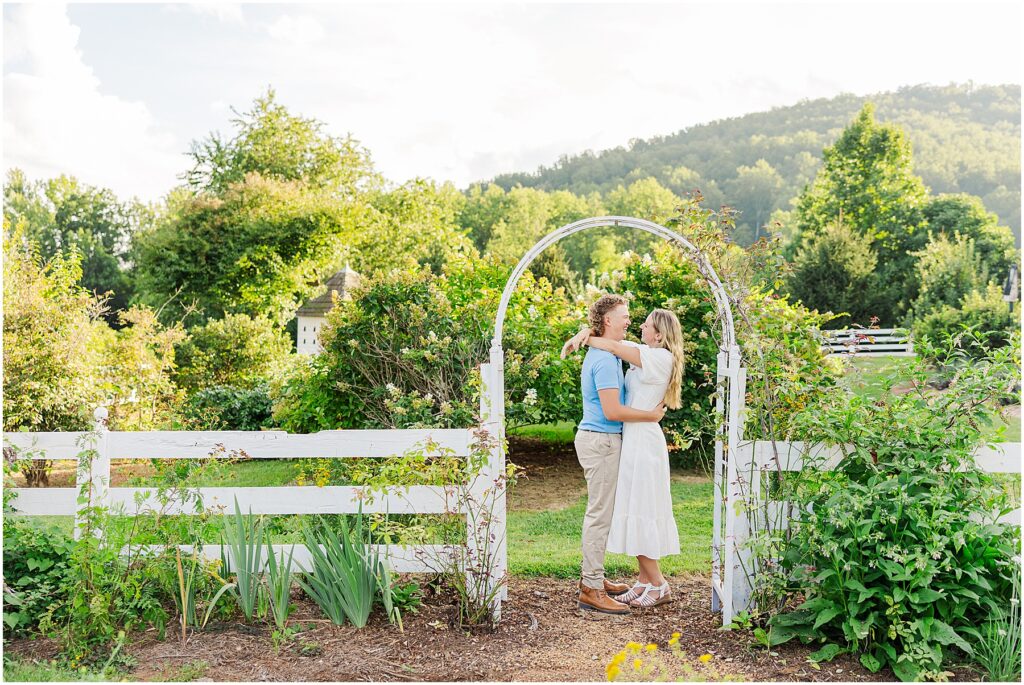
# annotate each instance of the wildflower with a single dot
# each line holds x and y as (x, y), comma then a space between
(651, 647)
(532, 311)
(704, 658)
(633, 646)
(531, 397)
(636, 664)
(612, 672)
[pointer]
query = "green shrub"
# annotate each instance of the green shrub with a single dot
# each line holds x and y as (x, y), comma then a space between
(238, 351)
(36, 569)
(405, 351)
(982, 311)
(223, 407)
(896, 550)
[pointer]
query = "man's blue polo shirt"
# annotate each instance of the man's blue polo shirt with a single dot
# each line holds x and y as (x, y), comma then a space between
(601, 371)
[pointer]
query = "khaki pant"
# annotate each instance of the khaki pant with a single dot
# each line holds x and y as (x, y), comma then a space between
(598, 454)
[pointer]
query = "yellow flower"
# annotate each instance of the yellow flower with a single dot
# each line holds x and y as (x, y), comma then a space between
(613, 671)
(619, 658)
(704, 658)
(675, 639)
(636, 664)
(651, 647)
(677, 635)
(633, 646)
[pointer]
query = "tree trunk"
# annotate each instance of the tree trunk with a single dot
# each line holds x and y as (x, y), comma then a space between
(37, 475)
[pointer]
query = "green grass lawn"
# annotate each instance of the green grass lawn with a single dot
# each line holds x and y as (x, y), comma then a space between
(547, 543)
(562, 432)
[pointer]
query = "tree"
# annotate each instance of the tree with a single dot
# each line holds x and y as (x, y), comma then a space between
(261, 248)
(50, 377)
(868, 184)
(755, 192)
(65, 215)
(274, 143)
(966, 215)
(948, 268)
(834, 271)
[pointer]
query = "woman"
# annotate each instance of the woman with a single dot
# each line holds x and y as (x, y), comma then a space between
(642, 523)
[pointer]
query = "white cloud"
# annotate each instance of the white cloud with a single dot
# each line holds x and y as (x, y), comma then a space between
(57, 120)
(228, 12)
(302, 30)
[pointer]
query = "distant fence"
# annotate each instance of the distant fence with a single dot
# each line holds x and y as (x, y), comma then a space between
(287, 499)
(877, 342)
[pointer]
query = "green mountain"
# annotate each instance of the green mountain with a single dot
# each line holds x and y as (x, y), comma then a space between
(965, 138)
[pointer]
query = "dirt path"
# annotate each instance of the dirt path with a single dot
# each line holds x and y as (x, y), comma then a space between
(542, 637)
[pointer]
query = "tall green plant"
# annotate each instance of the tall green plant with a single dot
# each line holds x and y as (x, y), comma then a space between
(343, 581)
(998, 650)
(244, 536)
(279, 583)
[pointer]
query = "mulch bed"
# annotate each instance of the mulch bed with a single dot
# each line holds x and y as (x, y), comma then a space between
(542, 637)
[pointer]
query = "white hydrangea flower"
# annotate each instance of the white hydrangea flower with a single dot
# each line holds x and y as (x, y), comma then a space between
(531, 397)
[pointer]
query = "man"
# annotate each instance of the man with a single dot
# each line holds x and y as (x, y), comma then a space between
(598, 444)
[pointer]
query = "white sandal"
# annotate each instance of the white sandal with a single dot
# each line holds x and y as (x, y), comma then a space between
(645, 600)
(632, 593)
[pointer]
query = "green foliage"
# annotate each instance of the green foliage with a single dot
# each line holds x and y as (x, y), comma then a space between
(343, 581)
(834, 270)
(966, 140)
(271, 142)
(244, 536)
(756, 191)
(64, 216)
(966, 215)
(222, 407)
(895, 550)
(279, 584)
(260, 247)
(998, 649)
(868, 184)
(36, 571)
(50, 379)
(238, 350)
(135, 373)
(191, 588)
(981, 311)
(947, 269)
(404, 353)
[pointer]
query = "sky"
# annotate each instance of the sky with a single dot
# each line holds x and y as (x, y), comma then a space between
(115, 94)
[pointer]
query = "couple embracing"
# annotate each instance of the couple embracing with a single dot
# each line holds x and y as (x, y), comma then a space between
(622, 449)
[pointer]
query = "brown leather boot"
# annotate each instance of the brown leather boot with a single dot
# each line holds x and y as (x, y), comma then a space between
(598, 600)
(615, 589)
(612, 589)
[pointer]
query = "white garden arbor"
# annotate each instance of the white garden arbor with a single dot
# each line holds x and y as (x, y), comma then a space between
(730, 585)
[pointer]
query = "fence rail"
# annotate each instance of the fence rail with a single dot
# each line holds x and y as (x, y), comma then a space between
(894, 342)
(486, 487)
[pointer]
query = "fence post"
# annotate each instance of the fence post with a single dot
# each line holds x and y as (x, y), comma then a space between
(97, 472)
(489, 490)
(739, 488)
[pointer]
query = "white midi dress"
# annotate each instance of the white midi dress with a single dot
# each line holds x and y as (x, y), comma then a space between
(642, 521)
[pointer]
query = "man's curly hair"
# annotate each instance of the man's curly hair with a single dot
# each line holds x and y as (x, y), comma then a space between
(602, 306)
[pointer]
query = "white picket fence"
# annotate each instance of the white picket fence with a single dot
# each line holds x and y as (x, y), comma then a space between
(749, 510)
(895, 342)
(487, 487)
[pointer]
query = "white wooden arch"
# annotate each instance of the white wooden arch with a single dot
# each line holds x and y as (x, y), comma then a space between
(730, 585)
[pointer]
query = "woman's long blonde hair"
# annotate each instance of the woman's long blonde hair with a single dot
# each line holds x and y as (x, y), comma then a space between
(667, 324)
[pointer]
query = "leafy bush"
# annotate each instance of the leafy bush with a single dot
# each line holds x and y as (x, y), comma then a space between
(223, 407)
(36, 569)
(404, 352)
(982, 311)
(238, 350)
(896, 551)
